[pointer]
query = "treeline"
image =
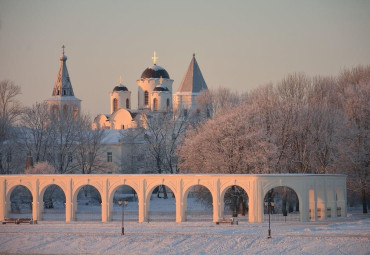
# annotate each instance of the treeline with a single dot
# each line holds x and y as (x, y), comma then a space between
(302, 124)
(32, 140)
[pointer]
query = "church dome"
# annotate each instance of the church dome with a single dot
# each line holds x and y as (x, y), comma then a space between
(155, 72)
(120, 88)
(160, 88)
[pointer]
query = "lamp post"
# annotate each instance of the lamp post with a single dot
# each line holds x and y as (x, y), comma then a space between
(269, 204)
(123, 204)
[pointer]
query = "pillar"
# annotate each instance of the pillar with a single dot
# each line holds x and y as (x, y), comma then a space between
(312, 202)
(69, 202)
(304, 205)
(104, 202)
(216, 201)
(180, 210)
(3, 205)
(143, 211)
(35, 203)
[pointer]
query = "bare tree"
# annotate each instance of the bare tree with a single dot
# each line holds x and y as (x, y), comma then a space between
(89, 148)
(35, 131)
(10, 107)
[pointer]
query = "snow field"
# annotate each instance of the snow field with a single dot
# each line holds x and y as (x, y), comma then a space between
(346, 236)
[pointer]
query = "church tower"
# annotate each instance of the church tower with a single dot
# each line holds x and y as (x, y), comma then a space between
(191, 86)
(63, 99)
(150, 78)
(120, 98)
(161, 98)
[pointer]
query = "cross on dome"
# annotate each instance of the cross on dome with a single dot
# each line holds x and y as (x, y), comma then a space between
(155, 58)
(120, 79)
(63, 48)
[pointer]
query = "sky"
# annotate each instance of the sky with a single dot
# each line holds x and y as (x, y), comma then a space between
(238, 44)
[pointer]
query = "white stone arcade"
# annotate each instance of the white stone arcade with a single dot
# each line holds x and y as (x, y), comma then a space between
(317, 194)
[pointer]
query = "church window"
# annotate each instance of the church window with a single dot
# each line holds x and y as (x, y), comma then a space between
(127, 103)
(64, 92)
(123, 126)
(146, 97)
(109, 157)
(54, 111)
(65, 110)
(115, 104)
(155, 104)
(75, 113)
(168, 103)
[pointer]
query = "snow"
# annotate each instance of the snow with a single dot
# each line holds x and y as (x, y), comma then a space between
(344, 235)
(155, 67)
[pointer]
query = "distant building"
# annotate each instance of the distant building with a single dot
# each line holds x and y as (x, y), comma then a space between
(63, 98)
(155, 95)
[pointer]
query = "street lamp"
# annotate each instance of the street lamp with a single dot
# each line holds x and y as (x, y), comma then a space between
(269, 205)
(123, 204)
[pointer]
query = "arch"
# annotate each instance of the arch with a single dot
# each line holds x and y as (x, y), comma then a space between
(65, 110)
(133, 203)
(115, 104)
(54, 111)
(146, 98)
(91, 198)
(168, 203)
(203, 194)
(53, 206)
(20, 201)
(75, 113)
(282, 203)
(341, 201)
(243, 204)
(128, 103)
(155, 104)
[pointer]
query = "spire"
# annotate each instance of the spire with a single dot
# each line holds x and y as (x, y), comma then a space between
(193, 80)
(63, 86)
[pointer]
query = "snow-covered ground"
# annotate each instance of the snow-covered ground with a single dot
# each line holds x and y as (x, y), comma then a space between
(346, 236)
(161, 235)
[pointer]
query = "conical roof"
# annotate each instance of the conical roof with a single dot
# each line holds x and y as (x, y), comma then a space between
(63, 86)
(193, 80)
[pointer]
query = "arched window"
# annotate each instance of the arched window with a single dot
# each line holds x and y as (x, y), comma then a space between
(155, 104)
(115, 104)
(168, 103)
(123, 126)
(75, 113)
(54, 111)
(127, 103)
(65, 110)
(146, 97)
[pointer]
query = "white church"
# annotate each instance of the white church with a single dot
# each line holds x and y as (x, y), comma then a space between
(155, 94)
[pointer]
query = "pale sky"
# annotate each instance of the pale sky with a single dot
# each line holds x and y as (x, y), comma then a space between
(238, 44)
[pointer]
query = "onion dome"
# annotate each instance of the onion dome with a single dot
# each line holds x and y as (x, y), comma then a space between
(120, 87)
(155, 71)
(160, 88)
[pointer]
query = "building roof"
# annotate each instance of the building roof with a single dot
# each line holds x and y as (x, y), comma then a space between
(155, 72)
(193, 80)
(63, 85)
